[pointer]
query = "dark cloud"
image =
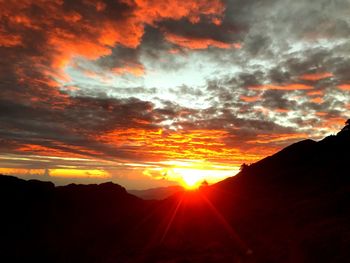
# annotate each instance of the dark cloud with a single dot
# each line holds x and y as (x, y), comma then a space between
(121, 57)
(206, 29)
(77, 125)
(274, 99)
(257, 44)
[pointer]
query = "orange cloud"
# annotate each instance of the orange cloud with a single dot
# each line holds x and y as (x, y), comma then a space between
(282, 110)
(127, 33)
(206, 145)
(79, 173)
(249, 99)
(61, 172)
(58, 150)
(136, 70)
(67, 46)
(23, 20)
(315, 93)
(158, 145)
(237, 45)
(271, 138)
(196, 43)
(295, 86)
(345, 87)
(152, 11)
(316, 76)
(66, 34)
(216, 21)
(333, 124)
(21, 171)
(9, 40)
(317, 100)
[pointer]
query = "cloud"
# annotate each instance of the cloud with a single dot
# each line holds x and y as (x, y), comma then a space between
(316, 76)
(250, 98)
(84, 28)
(194, 43)
(317, 100)
(293, 86)
(344, 87)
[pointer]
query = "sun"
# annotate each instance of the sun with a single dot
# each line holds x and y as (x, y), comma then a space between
(190, 182)
(190, 178)
(191, 174)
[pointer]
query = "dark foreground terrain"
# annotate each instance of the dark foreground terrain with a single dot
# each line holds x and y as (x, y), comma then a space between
(293, 206)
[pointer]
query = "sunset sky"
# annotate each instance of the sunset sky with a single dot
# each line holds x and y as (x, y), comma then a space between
(147, 93)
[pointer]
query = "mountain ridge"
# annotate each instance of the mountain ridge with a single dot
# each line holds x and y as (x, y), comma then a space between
(157, 193)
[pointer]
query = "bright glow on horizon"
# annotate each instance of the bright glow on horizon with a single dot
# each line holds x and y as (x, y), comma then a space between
(191, 178)
(191, 173)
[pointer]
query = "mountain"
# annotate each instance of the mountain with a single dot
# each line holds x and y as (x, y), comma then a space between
(292, 206)
(158, 193)
(75, 223)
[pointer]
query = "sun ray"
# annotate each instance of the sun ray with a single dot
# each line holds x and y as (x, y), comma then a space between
(223, 222)
(170, 222)
(191, 173)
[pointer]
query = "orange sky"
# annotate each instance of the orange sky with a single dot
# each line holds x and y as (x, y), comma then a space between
(146, 93)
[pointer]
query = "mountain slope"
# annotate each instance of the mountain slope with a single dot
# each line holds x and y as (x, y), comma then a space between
(293, 206)
(74, 223)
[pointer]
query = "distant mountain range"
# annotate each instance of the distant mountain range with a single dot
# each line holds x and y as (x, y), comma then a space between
(292, 206)
(158, 193)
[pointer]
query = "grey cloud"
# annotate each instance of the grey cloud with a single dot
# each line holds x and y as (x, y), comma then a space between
(120, 57)
(258, 44)
(275, 99)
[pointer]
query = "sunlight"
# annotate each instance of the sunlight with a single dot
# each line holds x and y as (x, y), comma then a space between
(191, 173)
(79, 173)
(191, 178)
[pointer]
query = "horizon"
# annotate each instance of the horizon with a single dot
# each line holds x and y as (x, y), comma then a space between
(186, 187)
(150, 94)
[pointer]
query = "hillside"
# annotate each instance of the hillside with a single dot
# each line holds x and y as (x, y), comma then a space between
(293, 206)
(74, 223)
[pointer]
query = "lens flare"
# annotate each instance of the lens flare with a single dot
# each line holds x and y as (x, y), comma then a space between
(190, 178)
(192, 174)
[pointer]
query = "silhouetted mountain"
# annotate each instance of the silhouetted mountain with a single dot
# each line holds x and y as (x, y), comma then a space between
(293, 206)
(158, 193)
(74, 223)
(290, 207)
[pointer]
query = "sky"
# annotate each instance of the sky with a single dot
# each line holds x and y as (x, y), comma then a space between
(149, 93)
